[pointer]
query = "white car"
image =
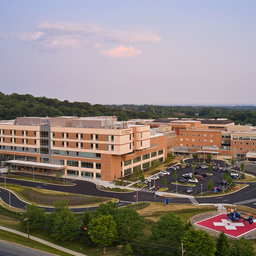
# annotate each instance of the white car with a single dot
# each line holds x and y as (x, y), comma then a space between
(193, 180)
(234, 174)
(187, 175)
(204, 167)
(165, 172)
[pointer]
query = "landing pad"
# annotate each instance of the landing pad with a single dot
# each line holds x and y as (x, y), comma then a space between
(221, 223)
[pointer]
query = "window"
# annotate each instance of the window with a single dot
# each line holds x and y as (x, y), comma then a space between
(247, 143)
(53, 143)
(96, 137)
(199, 140)
(27, 133)
(14, 140)
(146, 165)
(128, 162)
(91, 136)
(193, 135)
(241, 143)
(112, 147)
(193, 145)
(77, 136)
(193, 139)
(160, 152)
(247, 149)
(253, 144)
(146, 156)
(53, 134)
(67, 135)
(34, 133)
(107, 147)
(91, 146)
(98, 175)
(87, 165)
(127, 171)
(137, 159)
(211, 135)
(181, 134)
(241, 149)
(10, 132)
(106, 137)
(112, 138)
(130, 137)
(72, 172)
(235, 143)
(44, 151)
(187, 145)
(153, 154)
(98, 166)
(141, 134)
(205, 135)
(82, 145)
(181, 139)
(21, 133)
(187, 134)
(76, 144)
(141, 143)
(62, 135)
(96, 146)
(130, 145)
(72, 163)
(62, 143)
(211, 140)
(22, 141)
(186, 139)
(43, 134)
(44, 142)
(11, 140)
(67, 144)
(136, 168)
(198, 135)
(81, 136)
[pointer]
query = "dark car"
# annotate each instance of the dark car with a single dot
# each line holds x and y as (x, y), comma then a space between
(196, 172)
(204, 174)
(188, 165)
(170, 170)
(223, 182)
(221, 188)
(198, 166)
(181, 180)
(215, 168)
(234, 177)
(161, 175)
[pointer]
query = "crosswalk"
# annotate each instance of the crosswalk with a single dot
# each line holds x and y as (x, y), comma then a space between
(246, 201)
(193, 200)
(146, 190)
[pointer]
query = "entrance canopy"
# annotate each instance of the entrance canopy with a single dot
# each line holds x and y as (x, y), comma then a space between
(251, 155)
(207, 152)
(34, 164)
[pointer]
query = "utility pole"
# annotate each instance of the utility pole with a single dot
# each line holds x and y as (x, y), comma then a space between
(27, 222)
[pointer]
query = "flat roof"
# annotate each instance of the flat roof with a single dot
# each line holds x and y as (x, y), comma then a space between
(34, 164)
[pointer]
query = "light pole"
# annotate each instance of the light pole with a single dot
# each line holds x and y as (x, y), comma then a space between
(201, 189)
(137, 190)
(204, 151)
(4, 181)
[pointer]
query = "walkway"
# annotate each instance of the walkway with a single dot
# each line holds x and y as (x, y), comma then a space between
(42, 241)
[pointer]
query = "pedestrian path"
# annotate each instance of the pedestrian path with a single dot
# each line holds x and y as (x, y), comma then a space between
(146, 190)
(221, 208)
(193, 200)
(249, 201)
(42, 241)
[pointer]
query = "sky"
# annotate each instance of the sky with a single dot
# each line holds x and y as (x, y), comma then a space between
(130, 52)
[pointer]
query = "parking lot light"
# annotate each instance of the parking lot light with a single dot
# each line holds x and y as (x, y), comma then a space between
(201, 189)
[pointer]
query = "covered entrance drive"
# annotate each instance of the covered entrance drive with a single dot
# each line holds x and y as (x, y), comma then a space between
(202, 154)
(38, 168)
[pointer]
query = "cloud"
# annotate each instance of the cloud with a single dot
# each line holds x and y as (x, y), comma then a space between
(121, 52)
(60, 35)
(97, 46)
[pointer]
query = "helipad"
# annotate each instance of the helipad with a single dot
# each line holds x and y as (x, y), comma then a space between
(231, 228)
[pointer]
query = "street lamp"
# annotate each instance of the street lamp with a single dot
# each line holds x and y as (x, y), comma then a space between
(201, 189)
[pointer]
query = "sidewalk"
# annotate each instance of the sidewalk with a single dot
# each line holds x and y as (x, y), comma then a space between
(42, 241)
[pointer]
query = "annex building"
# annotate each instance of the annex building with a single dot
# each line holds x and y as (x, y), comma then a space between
(89, 148)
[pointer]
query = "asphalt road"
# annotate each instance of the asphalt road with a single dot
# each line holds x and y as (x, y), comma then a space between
(246, 196)
(8, 249)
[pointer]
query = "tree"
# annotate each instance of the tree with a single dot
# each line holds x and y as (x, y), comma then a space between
(58, 176)
(187, 226)
(242, 167)
(169, 229)
(175, 176)
(210, 185)
(242, 247)
(233, 163)
(222, 246)
(195, 156)
(199, 242)
(128, 250)
(209, 158)
(164, 181)
(224, 176)
(65, 226)
(229, 180)
(9, 170)
(108, 208)
(209, 167)
(142, 178)
(129, 223)
(86, 219)
(36, 217)
(102, 230)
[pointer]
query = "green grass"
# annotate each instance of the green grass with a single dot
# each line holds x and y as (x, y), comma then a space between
(139, 185)
(162, 189)
(182, 184)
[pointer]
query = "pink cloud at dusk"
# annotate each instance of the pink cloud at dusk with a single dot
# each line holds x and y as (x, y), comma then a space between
(121, 52)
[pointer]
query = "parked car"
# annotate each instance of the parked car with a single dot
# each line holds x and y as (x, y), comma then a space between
(221, 188)
(223, 182)
(147, 180)
(188, 165)
(193, 180)
(187, 175)
(155, 177)
(170, 170)
(215, 168)
(234, 177)
(190, 191)
(199, 177)
(174, 168)
(181, 180)
(166, 172)
(234, 174)
(204, 174)
(198, 166)
(160, 175)
(177, 167)
(204, 167)
(196, 172)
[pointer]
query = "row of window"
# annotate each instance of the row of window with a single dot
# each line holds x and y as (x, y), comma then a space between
(83, 164)
(240, 137)
(198, 140)
(79, 154)
(13, 132)
(245, 149)
(144, 157)
(13, 140)
(205, 135)
(80, 136)
(241, 143)
(83, 174)
(15, 148)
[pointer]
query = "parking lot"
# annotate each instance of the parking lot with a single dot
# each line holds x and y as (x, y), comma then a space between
(199, 186)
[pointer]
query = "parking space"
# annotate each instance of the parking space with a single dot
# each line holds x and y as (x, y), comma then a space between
(201, 185)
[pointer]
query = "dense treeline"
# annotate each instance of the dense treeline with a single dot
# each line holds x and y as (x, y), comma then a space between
(15, 105)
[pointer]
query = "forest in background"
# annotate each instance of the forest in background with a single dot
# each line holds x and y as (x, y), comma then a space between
(17, 105)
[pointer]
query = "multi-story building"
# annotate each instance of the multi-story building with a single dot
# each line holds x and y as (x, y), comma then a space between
(93, 148)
